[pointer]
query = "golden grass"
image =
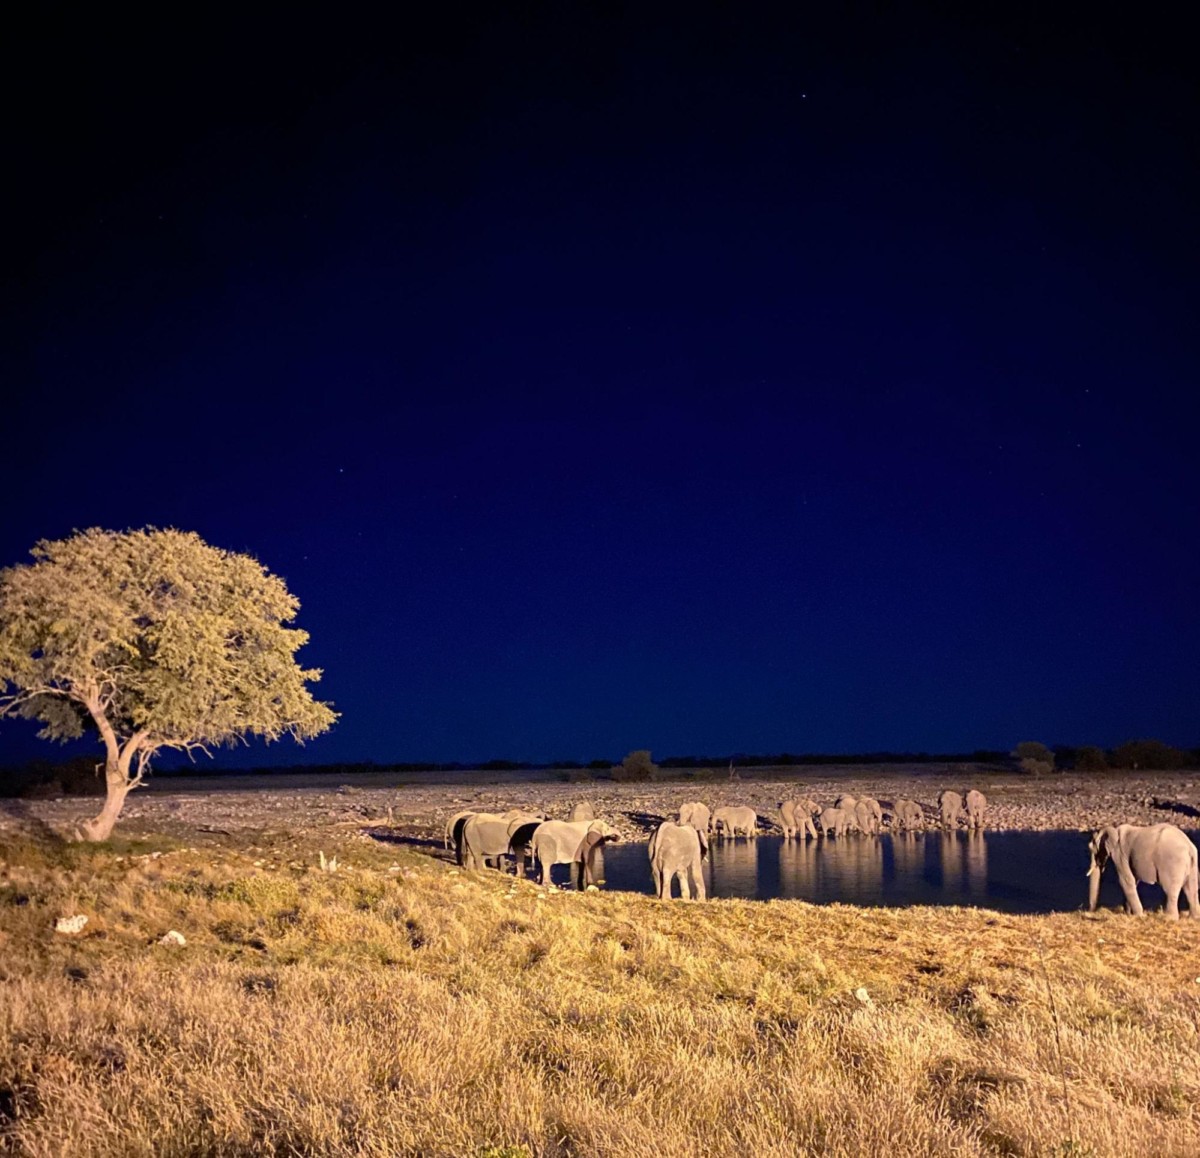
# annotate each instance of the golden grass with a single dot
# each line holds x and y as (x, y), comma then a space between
(423, 1011)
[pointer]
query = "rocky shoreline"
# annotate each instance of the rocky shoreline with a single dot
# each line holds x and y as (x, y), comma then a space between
(416, 812)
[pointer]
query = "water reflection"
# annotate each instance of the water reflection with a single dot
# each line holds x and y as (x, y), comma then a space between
(1020, 872)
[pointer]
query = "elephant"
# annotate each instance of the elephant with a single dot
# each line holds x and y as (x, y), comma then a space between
(520, 833)
(976, 807)
(485, 835)
(456, 823)
(909, 815)
(835, 821)
(573, 842)
(695, 814)
(1158, 854)
(846, 802)
(795, 818)
(876, 809)
(865, 818)
(951, 806)
(733, 818)
(676, 850)
(582, 811)
(454, 827)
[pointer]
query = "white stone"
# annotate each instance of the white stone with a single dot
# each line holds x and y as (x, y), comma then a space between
(70, 924)
(172, 938)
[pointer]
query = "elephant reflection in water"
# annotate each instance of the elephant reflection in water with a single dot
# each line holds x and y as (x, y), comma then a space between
(964, 863)
(733, 868)
(908, 855)
(798, 868)
(849, 870)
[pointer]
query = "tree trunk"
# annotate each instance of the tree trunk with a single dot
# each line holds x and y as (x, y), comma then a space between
(100, 826)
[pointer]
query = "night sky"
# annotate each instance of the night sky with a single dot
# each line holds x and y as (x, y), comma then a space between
(698, 379)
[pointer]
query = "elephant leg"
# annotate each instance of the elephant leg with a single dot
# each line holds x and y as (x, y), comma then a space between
(1173, 901)
(1129, 887)
(697, 874)
(685, 889)
(1191, 889)
(658, 880)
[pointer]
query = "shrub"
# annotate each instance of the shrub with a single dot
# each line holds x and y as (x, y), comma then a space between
(1148, 756)
(636, 766)
(1034, 758)
(1090, 759)
(1036, 767)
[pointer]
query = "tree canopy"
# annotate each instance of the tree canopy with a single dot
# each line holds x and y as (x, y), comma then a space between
(157, 641)
(1034, 757)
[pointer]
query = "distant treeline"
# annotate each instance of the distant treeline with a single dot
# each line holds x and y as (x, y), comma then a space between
(80, 775)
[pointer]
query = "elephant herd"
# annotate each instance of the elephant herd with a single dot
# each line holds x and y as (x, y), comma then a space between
(1159, 854)
(806, 818)
(676, 848)
(480, 837)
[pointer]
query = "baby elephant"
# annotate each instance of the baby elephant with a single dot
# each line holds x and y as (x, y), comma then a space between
(1157, 854)
(676, 850)
(909, 815)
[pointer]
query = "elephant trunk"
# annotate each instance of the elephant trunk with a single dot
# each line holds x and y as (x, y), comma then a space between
(1093, 886)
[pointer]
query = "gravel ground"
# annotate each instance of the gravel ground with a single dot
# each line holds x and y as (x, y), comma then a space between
(416, 812)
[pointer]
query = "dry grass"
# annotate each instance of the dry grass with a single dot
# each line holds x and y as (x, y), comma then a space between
(419, 1011)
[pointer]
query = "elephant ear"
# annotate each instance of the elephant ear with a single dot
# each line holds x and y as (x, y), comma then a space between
(584, 854)
(520, 836)
(591, 838)
(703, 844)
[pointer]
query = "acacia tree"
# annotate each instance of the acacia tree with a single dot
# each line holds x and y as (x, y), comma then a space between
(155, 640)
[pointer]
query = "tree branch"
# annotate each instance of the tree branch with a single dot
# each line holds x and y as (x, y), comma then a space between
(143, 766)
(16, 699)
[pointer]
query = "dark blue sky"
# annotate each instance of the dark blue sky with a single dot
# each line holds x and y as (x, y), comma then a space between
(701, 380)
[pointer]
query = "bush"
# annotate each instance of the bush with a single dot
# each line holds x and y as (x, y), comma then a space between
(44, 779)
(1036, 767)
(1090, 759)
(1148, 756)
(1034, 758)
(574, 775)
(636, 766)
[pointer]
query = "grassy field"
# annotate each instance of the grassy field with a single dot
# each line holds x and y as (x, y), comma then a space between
(397, 1006)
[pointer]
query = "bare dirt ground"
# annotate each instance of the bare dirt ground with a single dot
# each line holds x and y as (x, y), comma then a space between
(413, 809)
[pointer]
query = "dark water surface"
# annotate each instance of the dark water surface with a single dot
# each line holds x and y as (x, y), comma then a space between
(1014, 872)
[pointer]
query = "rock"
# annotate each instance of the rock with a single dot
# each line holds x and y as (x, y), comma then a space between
(172, 938)
(862, 995)
(70, 924)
